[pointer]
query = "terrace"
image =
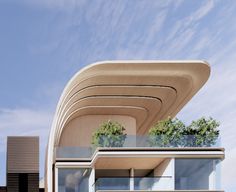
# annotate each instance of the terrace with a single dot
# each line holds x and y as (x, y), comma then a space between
(135, 143)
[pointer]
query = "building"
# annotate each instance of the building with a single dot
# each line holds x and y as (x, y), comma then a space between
(3, 189)
(137, 94)
(22, 164)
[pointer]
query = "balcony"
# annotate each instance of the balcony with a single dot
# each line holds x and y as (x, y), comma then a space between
(188, 142)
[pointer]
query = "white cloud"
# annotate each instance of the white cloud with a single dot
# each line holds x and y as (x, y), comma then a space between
(156, 26)
(185, 30)
(56, 4)
(24, 122)
(198, 14)
(177, 3)
(181, 41)
(203, 11)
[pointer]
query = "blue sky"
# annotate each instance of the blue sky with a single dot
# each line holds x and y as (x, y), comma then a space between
(43, 43)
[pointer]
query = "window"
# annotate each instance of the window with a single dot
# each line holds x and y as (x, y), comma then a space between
(73, 180)
(195, 174)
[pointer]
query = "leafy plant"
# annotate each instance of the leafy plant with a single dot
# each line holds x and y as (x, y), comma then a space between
(166, 133)
(109, 134)
(174, 133)
(202, 132)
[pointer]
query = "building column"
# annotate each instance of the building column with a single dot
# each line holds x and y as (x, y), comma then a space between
(92, 181)
(212, 176)
(132, 179)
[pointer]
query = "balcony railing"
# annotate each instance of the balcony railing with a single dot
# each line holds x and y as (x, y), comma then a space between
(131, 141)
(136, 183)
(160, 191)
(141, 184)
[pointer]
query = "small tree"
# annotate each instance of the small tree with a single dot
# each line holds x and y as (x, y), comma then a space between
(202, 132)
(166, 133)
(109, 134)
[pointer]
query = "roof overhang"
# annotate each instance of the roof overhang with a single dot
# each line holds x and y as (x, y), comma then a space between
(146, 90)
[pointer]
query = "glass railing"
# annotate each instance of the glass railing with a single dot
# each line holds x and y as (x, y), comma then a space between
(156, 141)
(74, 152)
(136, 183)
(153, 183)
(131, 141)
(112, 184)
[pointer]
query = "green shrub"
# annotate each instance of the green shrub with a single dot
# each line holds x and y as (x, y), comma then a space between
(109, 134)
(166, 133)
(174, 133)
(204, 132)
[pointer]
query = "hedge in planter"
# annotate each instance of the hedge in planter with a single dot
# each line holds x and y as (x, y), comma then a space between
(166, 133)
(174, 133)
(109, 134)
(202, 133)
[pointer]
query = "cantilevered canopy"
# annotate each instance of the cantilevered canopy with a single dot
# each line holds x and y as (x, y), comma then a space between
(146, 90)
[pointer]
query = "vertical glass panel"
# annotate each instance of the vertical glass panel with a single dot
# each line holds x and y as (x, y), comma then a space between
(195, 174)
(73, 180)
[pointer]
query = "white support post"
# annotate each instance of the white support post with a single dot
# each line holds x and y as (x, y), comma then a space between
(56, 178)
(212, 176)
(92, 181)
(132, 179)
(173, 173)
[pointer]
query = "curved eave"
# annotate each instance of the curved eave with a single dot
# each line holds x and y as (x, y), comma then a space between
(169, 84)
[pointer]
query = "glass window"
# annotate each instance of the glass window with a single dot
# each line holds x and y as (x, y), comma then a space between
(73, 180)
(195, 174)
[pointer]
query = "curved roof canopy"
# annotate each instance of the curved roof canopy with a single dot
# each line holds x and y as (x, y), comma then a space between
(146, 90)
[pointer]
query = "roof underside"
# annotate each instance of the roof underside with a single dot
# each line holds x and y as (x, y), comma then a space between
(146, 90)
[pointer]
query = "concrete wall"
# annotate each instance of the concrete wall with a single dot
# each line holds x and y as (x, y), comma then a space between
(165, 173)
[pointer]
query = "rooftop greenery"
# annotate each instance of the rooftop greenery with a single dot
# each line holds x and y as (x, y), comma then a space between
(202, 132)
(109, 134)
